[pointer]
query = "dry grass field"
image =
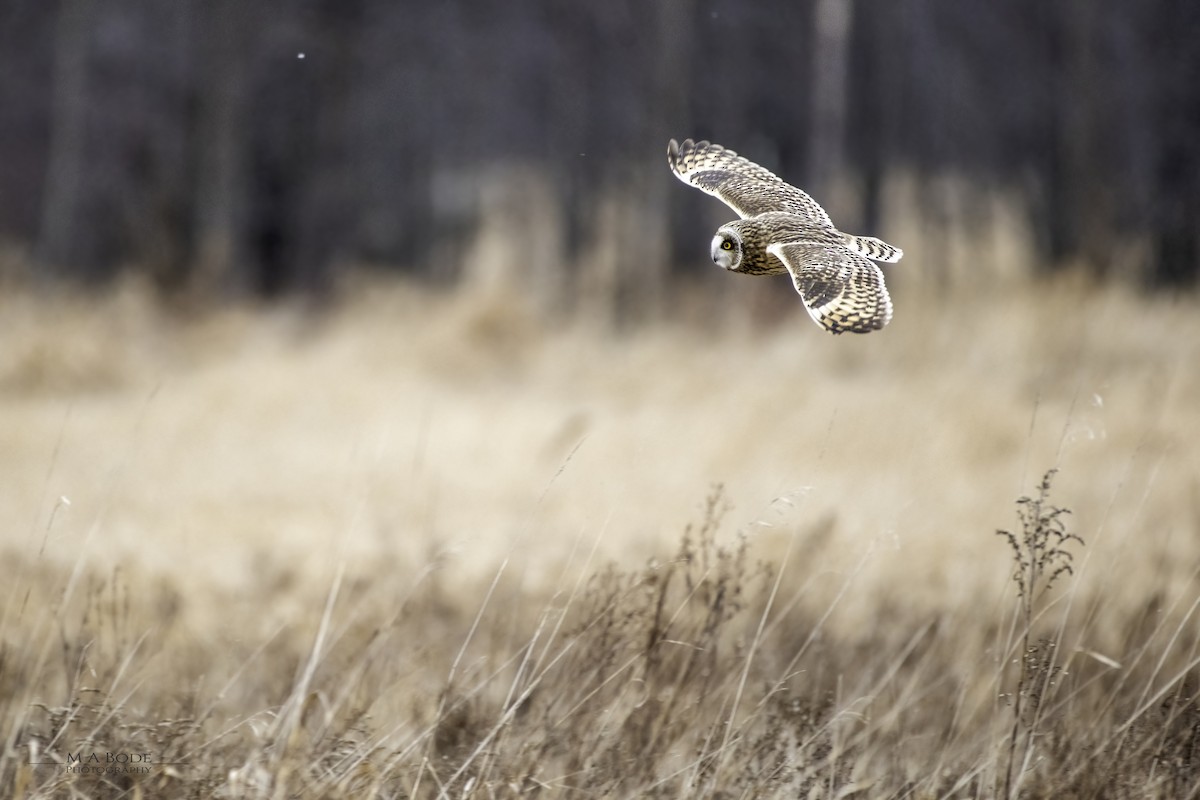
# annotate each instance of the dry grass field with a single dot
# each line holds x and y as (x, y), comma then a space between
(416, 546)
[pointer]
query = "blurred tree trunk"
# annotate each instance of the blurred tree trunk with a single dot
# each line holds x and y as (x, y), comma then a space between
(164, 243)
(63, 243)
(326, 205)
(404, 221)
(1087, 208)
(1073, 172)
(571, 95)
(831, 50)
(878, 100)
(1174, 75)
(648, 272)
(220, 189)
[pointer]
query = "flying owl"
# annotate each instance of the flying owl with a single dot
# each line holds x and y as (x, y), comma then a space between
(782, 229)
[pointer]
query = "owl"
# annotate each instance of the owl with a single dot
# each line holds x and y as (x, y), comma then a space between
(781, 230)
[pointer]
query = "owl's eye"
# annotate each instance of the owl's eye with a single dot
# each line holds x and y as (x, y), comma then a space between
(726, 245)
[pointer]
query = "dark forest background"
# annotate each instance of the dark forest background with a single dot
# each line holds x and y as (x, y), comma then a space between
(262, 148)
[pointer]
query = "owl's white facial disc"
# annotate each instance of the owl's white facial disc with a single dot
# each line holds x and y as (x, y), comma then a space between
(725, 251)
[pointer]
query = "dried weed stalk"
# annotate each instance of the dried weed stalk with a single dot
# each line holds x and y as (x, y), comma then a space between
(1040, 557)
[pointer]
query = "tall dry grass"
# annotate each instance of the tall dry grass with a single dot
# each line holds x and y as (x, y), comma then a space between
(414, 546)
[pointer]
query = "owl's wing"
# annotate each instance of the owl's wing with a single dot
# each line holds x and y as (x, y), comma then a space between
(841, 290)
(743, 185)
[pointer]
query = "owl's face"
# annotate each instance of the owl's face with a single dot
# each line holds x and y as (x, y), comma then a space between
(727, 248)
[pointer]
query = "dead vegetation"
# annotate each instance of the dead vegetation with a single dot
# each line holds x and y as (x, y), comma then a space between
(369, 556)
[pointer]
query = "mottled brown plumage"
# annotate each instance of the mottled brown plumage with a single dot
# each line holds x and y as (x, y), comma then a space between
(782, 229)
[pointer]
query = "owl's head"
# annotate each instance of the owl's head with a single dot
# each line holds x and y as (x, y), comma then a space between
(727, 247)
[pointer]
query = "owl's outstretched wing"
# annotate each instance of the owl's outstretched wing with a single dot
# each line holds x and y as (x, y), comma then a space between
(842, 291)
(743, 185)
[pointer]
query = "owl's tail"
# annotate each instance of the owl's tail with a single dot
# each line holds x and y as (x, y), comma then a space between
(874, 248)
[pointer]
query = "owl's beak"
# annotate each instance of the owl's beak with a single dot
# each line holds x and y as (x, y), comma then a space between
(721, 257)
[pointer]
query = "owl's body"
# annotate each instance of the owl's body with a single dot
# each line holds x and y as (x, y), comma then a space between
(754, 234)
(781, 230)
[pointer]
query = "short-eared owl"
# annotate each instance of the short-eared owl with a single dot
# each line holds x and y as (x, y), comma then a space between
(782, 229)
